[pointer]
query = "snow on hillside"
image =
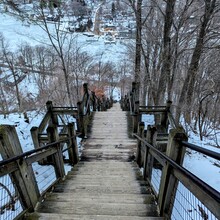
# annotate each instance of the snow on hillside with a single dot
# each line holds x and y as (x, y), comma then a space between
(16, 33)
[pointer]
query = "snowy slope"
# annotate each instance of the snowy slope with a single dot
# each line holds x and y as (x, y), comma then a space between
(17, 33)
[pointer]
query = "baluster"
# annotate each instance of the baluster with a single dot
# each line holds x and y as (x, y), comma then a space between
(57, 158)
(139, 144)
(72, 146)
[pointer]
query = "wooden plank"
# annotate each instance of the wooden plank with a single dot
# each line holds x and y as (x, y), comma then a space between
(100, 198)
(100, 189)
(39, 156)
(65, 112)
(49, 216)
(98, 209)
(7, 169)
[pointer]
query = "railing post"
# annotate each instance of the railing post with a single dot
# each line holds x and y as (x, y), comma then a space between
(99, 105)
(72, 146)
(148, 160)
(80, 120)
(35, 139)
(86, 94)
(57, 158)
(164, 117)
(136, 117)
(23, 179)
(139, 144)
(122, 102)
(54, 119)
(133, 96)
(168, 185)
(34, 135)
(127, 104)
(103, 103)
(93, 101)
(111, 101)
(107, 103)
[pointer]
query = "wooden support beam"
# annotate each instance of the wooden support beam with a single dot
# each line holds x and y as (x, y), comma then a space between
(53, 117)
(8, 168)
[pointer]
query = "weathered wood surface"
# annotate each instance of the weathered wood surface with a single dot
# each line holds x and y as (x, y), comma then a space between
(106, 183)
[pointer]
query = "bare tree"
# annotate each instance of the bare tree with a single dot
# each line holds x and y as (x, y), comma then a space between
(137, 7)
(188, 86)
(166, 54)
(10, 59)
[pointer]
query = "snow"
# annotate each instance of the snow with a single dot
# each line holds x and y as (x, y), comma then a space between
(23, 128)
(16, 33)
(13, 30)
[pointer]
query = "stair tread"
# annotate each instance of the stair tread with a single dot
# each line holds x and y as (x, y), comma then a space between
(55, 216)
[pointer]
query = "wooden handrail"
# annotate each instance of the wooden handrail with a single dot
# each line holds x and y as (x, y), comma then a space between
(199, 188)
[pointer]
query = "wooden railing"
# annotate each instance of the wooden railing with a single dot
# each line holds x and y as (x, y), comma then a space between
(26, 177)
(161, 149)
(19, 174)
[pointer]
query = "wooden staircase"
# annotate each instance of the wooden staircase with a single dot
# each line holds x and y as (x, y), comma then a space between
(106, 183)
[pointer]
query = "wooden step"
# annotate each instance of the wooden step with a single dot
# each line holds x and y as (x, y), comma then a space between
(55, 216)
(84, 197)
(100, 189)
(112, 209)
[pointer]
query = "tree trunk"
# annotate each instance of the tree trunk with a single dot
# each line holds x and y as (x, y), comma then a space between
(138, 47)
(166, 56)
(4, 102)
(186, 96)
(146, 76)
(17, 91)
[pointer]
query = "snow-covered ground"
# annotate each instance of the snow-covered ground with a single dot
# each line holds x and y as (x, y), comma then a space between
(23, 128)
(16, 33)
